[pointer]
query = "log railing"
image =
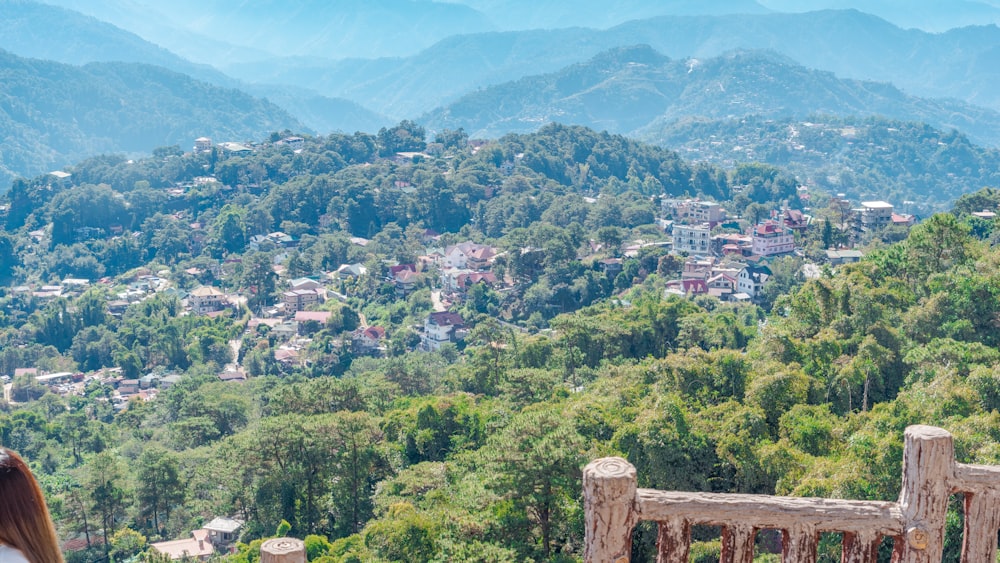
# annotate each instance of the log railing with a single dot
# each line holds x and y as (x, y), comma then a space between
(614, 504)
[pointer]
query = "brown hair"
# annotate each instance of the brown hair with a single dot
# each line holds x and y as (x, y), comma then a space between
(24, 519)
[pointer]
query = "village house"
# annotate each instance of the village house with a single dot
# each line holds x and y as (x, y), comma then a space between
(206, 299)
(202, 144)
(441, 327)
(721, 285)
(405, 281)
(469, 255)
(299, 300)
(771, 238)
(692, 239)
(752, 279)
(367, 340)
(873, 215)
(310, 321)
(197, 547)
(687, 287)
(795, 219)
(611, 266)
(838, 257)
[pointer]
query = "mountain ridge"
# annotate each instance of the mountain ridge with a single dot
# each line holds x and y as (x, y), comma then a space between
(631, 90)
(53, 114)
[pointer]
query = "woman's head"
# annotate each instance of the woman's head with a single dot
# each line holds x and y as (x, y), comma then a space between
(24, 518)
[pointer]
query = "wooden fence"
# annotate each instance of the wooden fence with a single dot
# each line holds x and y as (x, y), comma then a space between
(614, 505)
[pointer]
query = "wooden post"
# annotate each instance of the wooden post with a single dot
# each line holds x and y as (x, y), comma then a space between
(982, 520)
(737, 543)
(283, 550)
(928, 467)
(609, 486)
(673, 542)
(799, 544)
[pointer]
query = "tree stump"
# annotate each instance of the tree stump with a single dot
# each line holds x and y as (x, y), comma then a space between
(283, 550)
(609, 486)
(928, 459)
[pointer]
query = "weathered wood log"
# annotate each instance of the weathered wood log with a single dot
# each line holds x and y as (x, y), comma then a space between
(609, 486)
(928, 468)
(737, 543)
(798, 544)
(760, 511)
(982, 520)
(283, 550)
(673, 541)
(861, 547)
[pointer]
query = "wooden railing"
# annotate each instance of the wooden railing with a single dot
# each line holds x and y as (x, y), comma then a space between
(614, 505)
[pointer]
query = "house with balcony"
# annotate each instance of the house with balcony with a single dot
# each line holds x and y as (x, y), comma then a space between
(442, 327)
(692, 239)
(206, 299)
(771, 238)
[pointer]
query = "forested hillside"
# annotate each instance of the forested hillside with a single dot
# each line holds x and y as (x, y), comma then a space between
(957, 64)
(471, 451)
(873, 157)
(634, 89)
(55, 114)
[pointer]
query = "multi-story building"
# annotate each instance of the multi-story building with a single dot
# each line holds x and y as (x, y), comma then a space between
(693, 239)
(770, 238)
(751, 280)
(206, 299)
(299, 299)
(874, 215)
(441, 327)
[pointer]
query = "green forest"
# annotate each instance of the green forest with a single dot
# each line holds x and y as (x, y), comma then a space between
(472, 452)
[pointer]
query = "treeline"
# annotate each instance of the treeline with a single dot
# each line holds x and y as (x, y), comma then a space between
(865, 158)
(476, 454)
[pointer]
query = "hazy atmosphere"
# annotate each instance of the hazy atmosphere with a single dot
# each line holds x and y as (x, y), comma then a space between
(375, 280)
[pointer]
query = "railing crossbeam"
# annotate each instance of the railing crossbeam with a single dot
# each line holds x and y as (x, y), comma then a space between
(614, 504)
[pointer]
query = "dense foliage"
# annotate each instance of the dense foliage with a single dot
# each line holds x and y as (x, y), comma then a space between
(906, 161)
(470, 453)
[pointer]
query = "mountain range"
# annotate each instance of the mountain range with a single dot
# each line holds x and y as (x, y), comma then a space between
(636, 90)
(42, 31)
(960, 63)
(53, 114)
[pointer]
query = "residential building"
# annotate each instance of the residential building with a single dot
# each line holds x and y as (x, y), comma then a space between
(752, 279)
(695, 211)
(223, 532)
(197, 547)
(202, 144)
(441, 327)
(838, 257)
(693, 239)
(367, 340)
(771, 238)
(206, 299)
(874, 215)
(469, 255)
(299, 299)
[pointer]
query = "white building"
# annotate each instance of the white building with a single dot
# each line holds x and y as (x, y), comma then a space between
(770, 238)
(440, 328)
(752, 279)
(206, 299)
(693, 239)
(874, 215)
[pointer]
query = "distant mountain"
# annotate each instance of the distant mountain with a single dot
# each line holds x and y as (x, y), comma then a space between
(865, 158)
(53, 114)
(959, 64)
(40, 31)
(331, 29)
(928, 15)
(637, 90)
(32, 29)
(553, 14)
